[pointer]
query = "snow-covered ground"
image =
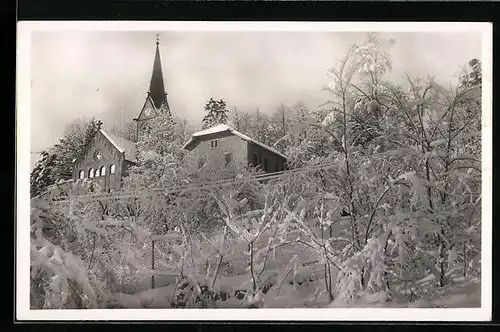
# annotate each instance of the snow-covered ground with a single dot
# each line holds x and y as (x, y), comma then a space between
(466, 294)
(308, 290)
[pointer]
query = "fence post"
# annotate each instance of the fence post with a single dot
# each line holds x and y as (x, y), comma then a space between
(153, 263)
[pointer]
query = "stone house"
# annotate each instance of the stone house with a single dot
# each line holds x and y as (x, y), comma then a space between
(223, 147)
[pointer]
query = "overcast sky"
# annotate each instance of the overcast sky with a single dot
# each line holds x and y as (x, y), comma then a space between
(106, 74)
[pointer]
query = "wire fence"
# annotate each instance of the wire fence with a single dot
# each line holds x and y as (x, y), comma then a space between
(120, 195)
(213, 183)
(150, 270)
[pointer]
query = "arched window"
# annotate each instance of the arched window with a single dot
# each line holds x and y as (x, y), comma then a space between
(112, 169)
(91, 173)
(103, 170)
(97, 173)
(82, 174)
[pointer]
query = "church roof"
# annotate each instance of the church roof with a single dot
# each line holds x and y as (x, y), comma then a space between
(156, 85)
(121, 144)
(220, 128)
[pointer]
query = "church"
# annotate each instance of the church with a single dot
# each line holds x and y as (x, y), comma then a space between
(107, 158)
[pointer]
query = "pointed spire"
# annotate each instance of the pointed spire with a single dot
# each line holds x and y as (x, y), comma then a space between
(156, 87)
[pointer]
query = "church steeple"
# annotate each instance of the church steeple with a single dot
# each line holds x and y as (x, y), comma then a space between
(156, 87)
(156, 103)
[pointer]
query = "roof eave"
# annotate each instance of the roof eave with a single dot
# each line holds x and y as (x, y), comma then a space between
(188, 143)
(250, 140)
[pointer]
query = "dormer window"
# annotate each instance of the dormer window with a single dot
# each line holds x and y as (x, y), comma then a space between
(214, 143)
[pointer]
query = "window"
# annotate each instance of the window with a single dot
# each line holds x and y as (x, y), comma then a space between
(82, 175)
(91, 173)
(97, 155)
(103, 170)
(265, 164)
(227, 157)
(97, 173)
(112, 169)
(278, 167)
(255, 159)
(214, 143)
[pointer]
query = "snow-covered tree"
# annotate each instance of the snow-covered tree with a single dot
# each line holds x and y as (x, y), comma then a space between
(393, 150)
(165, 109)
(160, 160)
(59, 277)
(56, 163)
(472, 75)
(159, 155)
(217, 113)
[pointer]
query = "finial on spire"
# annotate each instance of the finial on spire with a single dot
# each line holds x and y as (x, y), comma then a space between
(156, 86)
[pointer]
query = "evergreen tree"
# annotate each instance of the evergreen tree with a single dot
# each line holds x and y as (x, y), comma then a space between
(473, 76)
(217, 113)
(43, 174)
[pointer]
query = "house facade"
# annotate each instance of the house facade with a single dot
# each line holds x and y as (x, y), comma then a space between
(223, 147)
(106, 161)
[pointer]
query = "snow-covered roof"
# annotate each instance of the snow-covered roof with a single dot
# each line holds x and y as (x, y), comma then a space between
(220, 128)
(122, 145)
(213, 130)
